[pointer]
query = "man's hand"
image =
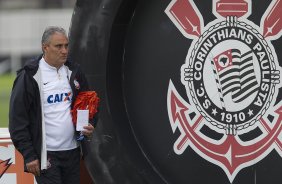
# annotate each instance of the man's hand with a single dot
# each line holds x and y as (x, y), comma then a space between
(88, 131)
(33, 167)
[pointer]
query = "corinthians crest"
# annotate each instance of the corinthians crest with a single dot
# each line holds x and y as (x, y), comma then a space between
(232, 78)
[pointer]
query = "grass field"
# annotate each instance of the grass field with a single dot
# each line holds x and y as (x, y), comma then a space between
(6, 83)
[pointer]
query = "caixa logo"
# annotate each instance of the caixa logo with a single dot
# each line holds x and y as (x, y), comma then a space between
(56, 98)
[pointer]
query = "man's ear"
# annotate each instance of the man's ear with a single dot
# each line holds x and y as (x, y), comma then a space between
(44, 47)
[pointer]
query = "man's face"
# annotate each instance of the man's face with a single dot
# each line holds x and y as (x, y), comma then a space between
(56, 50)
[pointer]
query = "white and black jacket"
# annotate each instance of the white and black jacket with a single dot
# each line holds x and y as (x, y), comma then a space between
(26, 118)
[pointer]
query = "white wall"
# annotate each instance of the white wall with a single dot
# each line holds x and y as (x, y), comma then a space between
(21, 31)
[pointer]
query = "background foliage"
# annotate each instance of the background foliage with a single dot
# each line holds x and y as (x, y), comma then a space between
(6, 83)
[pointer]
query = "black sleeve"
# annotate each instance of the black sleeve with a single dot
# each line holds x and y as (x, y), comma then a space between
(84, 86)
(95, 119)
(19, 121)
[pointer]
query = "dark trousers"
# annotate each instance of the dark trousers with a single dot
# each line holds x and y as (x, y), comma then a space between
(63, 168)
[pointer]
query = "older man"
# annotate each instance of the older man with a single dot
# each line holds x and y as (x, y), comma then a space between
(41, 124)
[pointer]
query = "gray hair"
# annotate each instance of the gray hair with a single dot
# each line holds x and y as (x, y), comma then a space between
(49, 31)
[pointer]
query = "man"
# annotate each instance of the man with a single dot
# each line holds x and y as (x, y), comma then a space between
(41, 126)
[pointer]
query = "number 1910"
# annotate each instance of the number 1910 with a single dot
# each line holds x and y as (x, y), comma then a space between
(228, 117)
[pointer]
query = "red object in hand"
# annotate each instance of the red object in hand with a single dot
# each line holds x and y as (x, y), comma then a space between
(85, 100)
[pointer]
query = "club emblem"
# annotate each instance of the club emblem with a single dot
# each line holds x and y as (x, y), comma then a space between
(232, 77)
(76, 84)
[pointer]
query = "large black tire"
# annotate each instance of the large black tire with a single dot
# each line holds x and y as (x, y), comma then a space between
(129, 51)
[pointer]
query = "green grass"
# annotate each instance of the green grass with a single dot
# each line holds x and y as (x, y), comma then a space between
(6, 83)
